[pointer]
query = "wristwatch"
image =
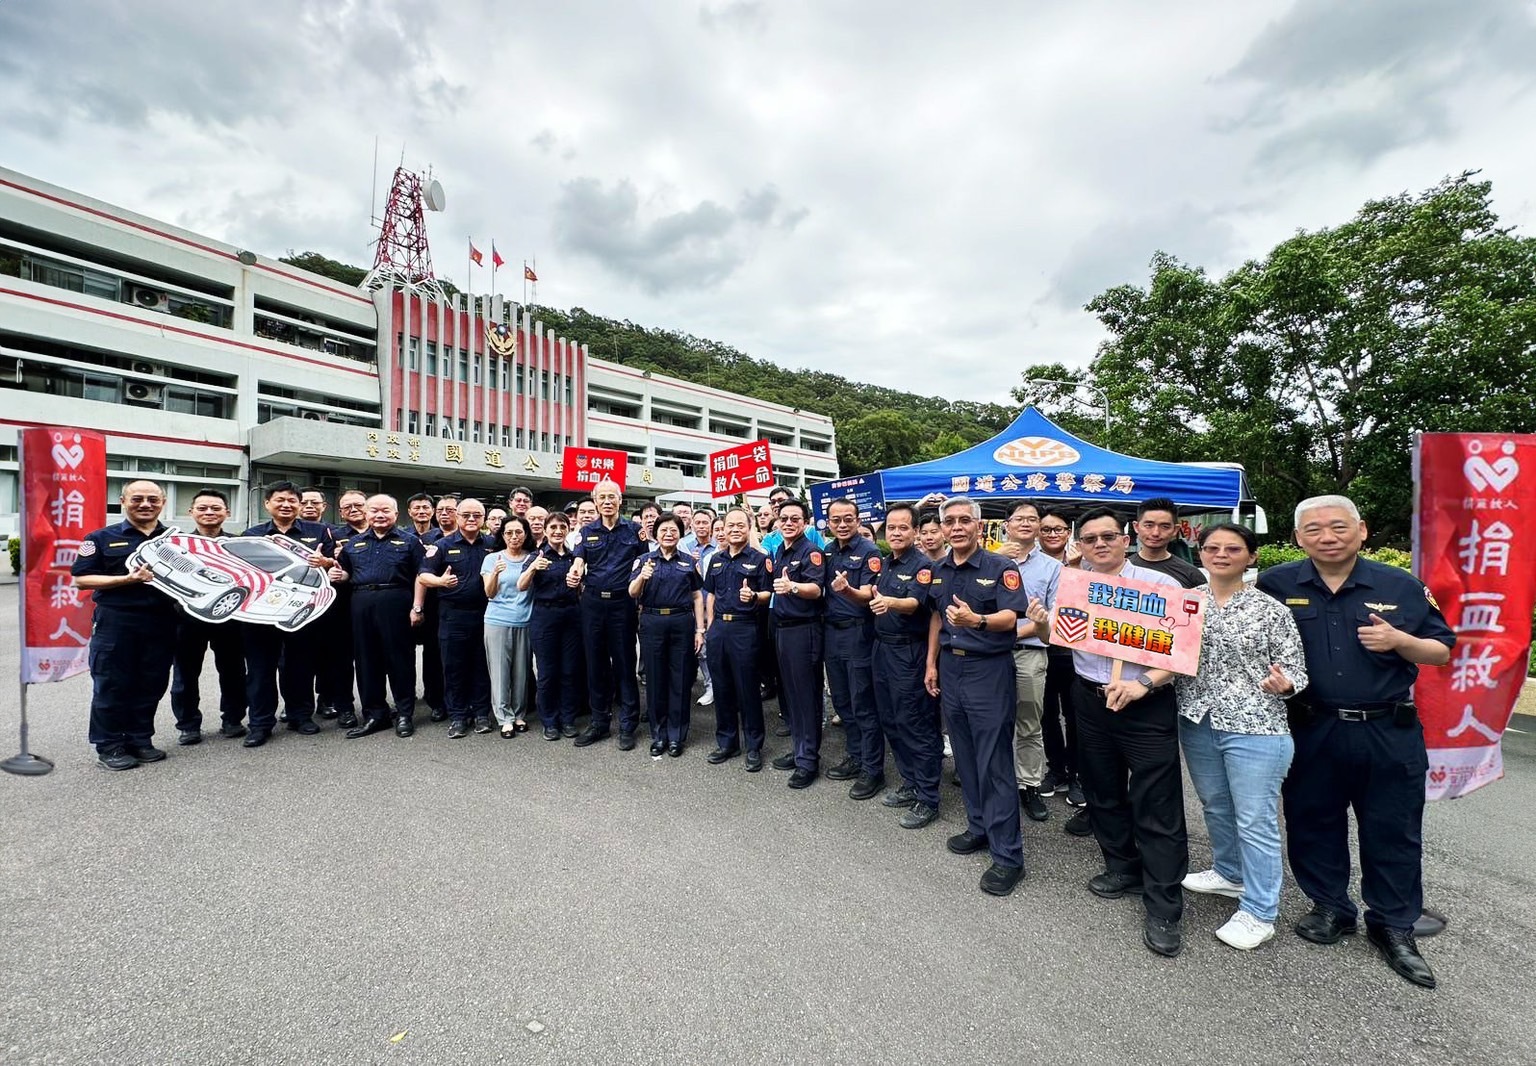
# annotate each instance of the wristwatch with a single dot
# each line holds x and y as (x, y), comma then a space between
(1145, 680)
(416, 610)
(981, 623)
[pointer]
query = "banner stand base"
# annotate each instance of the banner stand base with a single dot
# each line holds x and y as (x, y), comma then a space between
(27, 765)
(1430, 923)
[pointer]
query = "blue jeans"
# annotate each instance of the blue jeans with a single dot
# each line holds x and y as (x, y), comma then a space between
(1238, 777)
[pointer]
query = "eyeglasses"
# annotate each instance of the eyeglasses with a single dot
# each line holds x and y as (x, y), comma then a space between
(1024, 519)
(1053, 529)
(146, 499)
(1223, 549)
(1101, 538)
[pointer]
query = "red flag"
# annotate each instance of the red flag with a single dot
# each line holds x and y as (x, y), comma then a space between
(528, 273)
(496, 259)
(64, 478)
(475, 255)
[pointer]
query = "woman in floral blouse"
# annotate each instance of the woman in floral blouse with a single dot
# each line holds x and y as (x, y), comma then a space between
(1233, 730)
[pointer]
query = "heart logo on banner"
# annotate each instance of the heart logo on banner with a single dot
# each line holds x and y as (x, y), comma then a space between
(1496, 475)
(1437, 776)
(71, 457)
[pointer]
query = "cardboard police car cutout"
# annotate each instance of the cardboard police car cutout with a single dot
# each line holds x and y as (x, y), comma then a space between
(262, 580)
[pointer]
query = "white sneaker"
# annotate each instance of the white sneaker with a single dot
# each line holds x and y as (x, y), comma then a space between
(1245, 932)
(949, 753)
(708, 697)
(1212, 884)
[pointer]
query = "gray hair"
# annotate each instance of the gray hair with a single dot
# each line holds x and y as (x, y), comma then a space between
(961, 501)
(1317, 503)
(607, 481)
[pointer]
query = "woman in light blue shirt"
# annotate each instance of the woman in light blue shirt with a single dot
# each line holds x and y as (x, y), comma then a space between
(508, 645)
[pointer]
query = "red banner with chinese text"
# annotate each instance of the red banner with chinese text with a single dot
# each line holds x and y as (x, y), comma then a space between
(64, 482)
(743, 468)
(1474, 546)
(582, 468)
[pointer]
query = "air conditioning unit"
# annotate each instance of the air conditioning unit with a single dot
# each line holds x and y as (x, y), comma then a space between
(142, 394)
(315, 416)
(141, 367)
(151, 299)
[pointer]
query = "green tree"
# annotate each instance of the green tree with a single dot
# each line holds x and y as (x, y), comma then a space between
(878, 440)
(316, 263)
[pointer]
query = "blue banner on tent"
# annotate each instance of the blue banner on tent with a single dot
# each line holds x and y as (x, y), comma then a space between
(865, 490)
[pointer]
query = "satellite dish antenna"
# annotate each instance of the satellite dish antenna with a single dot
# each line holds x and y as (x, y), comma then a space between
(434, 196)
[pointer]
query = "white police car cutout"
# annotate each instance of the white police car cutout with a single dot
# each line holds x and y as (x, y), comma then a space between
(261, 580)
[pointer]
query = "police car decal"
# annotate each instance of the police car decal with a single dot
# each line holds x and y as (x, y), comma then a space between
(262, 580)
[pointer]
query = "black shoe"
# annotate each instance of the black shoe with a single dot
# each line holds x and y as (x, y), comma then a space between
(1079, 825)
(404, 727)
(1323, 926)
(754, 761)
(866, 787)
(569, 731)
(781, 730)
(144, 752)
(904, 796)
(1162, 936)
(369, 727)
(256, 738)
(483, 726)
(966, 843)
(954, 779)
(1075, 797)
(626, 742)
(802, 778)
(304, 726)
(438, 715)
(1034, 806)
(1052, 783)
(1401, 951)
(326, 711)
(232, 729)
(846, 770)
(1001, 880)
(551, 733)
(920, 815)
(720, 755)
(346, 720)
(457, 730)
(1114, 886)
(187, 737)
(784, 762)
(116, 758)
(657, 747)
(591, 735)
(770, 692)
(674, 751)
(283, 715)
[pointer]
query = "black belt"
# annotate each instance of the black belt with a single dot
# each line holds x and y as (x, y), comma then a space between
(849, 623)
(1360, 712)
(664, 611)
(966, 653)
(378, 588)
(569, 601)
(1027, 647)
(899, 638)
(620, 594)
(736, 616)
(790, 623)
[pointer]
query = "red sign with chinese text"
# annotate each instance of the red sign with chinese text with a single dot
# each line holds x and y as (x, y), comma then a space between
(1144, 622)
(743, 468)
(64, 482)
(1474, 546)
(582, 468)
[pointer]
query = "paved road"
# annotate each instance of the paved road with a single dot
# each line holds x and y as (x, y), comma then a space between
(522, 901)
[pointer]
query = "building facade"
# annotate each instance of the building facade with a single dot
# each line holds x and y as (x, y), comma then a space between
(206, 364)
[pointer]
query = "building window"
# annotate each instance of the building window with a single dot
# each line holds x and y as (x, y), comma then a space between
(413, 354)
(464, 366)
(519, 382)
(493, 369)
(410, 422)
(431, 425)
(431, 357)
(477, 370)
(463, 430)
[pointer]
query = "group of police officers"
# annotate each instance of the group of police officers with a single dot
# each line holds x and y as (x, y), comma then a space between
(936, 642)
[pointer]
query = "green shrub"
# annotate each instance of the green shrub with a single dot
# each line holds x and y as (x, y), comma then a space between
(1390, 556)
(1275, 554)
(15, 547)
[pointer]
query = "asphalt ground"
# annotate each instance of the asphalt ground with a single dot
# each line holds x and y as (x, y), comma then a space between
(425, 901)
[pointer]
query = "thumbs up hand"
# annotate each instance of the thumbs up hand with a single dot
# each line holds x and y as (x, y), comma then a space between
(960, 614)
(1381, 635)
(1276, 682)
(648, 569)
(450, 579)
(781, 585)
(540, 562)
(746, 594)
(878, 604)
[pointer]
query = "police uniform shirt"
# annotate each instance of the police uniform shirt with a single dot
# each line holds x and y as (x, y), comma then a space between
(1189, 576)
(341, 532)
(313, 535)
(610, 554)
(803, 563)
(905, 577)
(104, 553)
(465, 559)
(549, 587)
(724, 574)
(673, 582)
(1097, 668)
(393, 560)
(1341, 670)
(1040, 574)
(988, 583)
(860, 560)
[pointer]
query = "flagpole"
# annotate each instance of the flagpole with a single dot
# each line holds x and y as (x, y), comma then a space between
(23, 763)
(493, 268)
(535, 279)
(469, 264)
(525, 285)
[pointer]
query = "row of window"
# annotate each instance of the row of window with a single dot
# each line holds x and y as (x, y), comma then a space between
(160, 394)
(474, 433)
(479, 370)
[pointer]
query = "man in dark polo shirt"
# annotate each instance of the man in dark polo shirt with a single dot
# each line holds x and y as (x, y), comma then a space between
(605, 555)
(1157, 525)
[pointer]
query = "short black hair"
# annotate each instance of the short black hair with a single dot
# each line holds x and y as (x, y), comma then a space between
(1093, 514)
(805, 511)
(929, 517)
(1157, 503)
(421, 496)
(1052, 511)
(777, 489)
(215, 493)
(316, 489)
(1013, 507)
(907, 507)
(669, 520)
(451, 497)
(518, 520)
(844, 500)
(281, 486)
(524, 489)
(1250, 540)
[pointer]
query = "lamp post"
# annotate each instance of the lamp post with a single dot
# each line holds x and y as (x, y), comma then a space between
(1104, 396)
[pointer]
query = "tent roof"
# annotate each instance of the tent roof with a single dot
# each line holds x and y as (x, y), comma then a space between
(1038, 459)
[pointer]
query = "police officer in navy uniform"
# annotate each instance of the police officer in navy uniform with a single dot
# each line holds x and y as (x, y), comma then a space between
(453, 571)
(605, 558)
(381, 566)
(130, 657)
(799, 572)
(335, 675)
(666, 586)
(899, 601)
(977, 599)
(277, 661)
(852, 563)
(194, 638)
(737, 587)
(421, 509)
(1366, 628)
(555, 630)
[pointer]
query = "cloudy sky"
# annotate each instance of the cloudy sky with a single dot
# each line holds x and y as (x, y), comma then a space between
(921, 195)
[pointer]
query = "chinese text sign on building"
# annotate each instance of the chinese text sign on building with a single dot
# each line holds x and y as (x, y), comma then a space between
(743, 468)
(582, 468)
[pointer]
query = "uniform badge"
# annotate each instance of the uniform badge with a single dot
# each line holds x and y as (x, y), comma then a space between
(987, 582)
(1298, 601)
(87, 548)
(768, 565)
(874, 564)
(1428, 595)
(1387, 606)
(1011, 580)
(431, 550)
(924, 577)
(815, 558)
(118, 544)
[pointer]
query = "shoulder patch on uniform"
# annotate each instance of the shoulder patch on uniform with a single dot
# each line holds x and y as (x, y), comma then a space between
(815, 558)
(768, 565)
(87, 548)
(431, 550)
(1428, 595)
(874, 564)
(1011, 580)
(924, 577)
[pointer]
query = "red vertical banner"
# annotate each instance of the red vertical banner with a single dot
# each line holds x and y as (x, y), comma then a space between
(1475, 548)
(64, 481)
(742, 468)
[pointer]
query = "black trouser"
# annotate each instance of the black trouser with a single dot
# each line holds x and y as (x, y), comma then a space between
(466, 679)
(733, 657)
(431, 653)
(767, 654)
(278, 662)
(800, 676)
(1135, 789)
(608, 630)
(333, 668)
(666, 647)
(555, 630)
(193, 639)
(381, 637)
(906, 715)
(848, 650)
(1058, 716)
(130, 659)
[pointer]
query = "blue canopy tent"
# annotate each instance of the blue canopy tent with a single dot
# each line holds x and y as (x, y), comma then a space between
(1036, 458)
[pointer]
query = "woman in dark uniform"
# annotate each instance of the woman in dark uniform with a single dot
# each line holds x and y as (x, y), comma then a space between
(556, 629)
(666, 585)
